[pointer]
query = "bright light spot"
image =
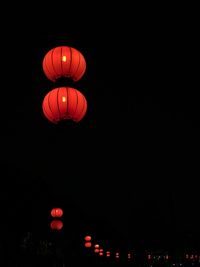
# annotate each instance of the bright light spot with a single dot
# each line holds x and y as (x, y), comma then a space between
(64, 58)
(64, 99)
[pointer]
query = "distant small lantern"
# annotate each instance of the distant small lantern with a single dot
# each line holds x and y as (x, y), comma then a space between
(56, 212)
(88, 244)
(56, 225)
(107, 253)
(64, 103)
(64, 61)
(88, 238)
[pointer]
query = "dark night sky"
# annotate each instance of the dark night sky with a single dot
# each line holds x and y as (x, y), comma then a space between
(131, 166)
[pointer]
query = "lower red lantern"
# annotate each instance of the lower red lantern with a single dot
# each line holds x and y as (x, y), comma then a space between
(56, 225)
(64, 103)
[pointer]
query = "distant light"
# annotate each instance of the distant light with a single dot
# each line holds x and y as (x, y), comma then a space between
(88, 244)
(108, 253)
(149, 256)
(87, 238)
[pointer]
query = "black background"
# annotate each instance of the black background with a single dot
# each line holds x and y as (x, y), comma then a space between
(129, 170)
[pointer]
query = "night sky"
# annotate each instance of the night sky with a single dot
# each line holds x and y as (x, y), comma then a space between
(129, 170)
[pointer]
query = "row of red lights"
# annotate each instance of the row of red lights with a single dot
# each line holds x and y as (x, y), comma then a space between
(57, 224)
(150, 257)
(99, 250)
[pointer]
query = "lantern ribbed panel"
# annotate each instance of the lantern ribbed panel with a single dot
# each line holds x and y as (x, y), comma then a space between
(64, 61)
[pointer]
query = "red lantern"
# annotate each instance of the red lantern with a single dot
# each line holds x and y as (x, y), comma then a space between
(64, 61)
(107, 253)
(56, 225)
(56, 212)
(88, 244)
(64, 103)
(87, 238)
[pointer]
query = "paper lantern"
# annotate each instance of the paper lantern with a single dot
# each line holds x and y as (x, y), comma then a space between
(64, 61)
(56, 225)
(87, 238)
(56, 212)
(88, 244)
(64, 103)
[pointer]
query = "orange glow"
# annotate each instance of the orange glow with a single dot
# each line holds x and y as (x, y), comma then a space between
(96, 250)
(96, 246)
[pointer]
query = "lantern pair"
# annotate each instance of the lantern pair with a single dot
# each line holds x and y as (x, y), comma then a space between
(56, 224)
(64, 102)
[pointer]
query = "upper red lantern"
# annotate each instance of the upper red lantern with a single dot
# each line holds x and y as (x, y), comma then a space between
(64, 61)
(88, 238)
(64, 103)
(56, 212)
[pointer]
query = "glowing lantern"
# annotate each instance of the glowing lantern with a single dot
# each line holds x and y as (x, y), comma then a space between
(96, 245)
(87, 238)
(56, 212)
(107, 253)
(56, 225)
(64, 61)
(96, 250)
(64, 103)
(88, 244)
